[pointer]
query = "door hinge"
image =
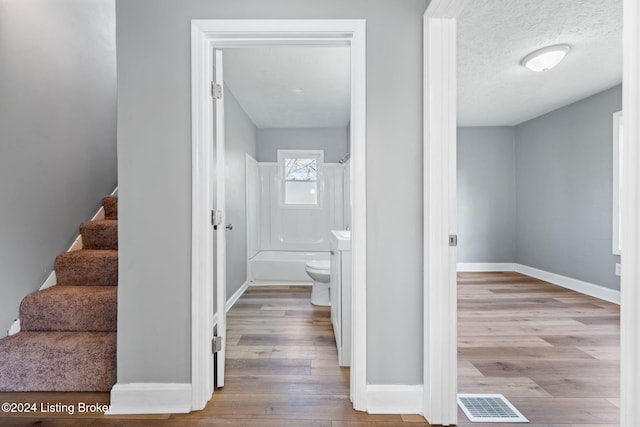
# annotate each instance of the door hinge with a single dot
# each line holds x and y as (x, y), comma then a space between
(216, 344)
(216, 90)
(216, 218)
(453, 240)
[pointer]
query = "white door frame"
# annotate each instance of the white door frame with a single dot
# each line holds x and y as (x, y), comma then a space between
(440, 347)
(205, 35)
(630, 278)
(440, 294)
(440, 316)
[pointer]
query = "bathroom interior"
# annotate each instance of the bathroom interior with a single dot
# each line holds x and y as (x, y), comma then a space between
(287, 175)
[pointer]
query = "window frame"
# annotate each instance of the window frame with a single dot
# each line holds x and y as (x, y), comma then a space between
(318, 155)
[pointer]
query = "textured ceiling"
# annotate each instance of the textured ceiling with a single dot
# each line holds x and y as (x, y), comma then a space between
(291, 87)
(494, 36)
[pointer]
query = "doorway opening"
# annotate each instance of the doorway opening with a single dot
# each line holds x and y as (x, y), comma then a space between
(287, 191)
(207, 36)
(527, 170)
(440, 67)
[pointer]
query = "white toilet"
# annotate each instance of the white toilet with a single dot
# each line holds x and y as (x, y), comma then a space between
(320, 272)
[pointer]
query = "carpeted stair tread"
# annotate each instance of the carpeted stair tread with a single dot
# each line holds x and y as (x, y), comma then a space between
(68, 331)
(110, 205)
(58, 361)
(88, 267)
(71, 308)
(100, 234)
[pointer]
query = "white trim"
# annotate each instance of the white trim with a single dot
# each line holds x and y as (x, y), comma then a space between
(236, 296)
(14, 328)
(231, 302)
(77, 243)
(205, 35)
(445, 9)
(615, 214)
(586, 288)
(394, 399)
(201, 230)
(485, 266)
(52, 280)
(358, 190)
(440, 290)
(630, 307)
(278, 283)
(150, 398)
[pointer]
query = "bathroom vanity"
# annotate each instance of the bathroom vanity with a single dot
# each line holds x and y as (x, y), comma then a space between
(340, 291)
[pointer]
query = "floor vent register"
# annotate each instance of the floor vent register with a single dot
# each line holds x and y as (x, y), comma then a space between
(489, 408)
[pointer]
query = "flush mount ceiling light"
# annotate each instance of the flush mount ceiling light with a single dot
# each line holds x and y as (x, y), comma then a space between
(546, 58)
(297, 91)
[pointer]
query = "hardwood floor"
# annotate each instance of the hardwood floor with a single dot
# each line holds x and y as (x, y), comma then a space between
(282, 366)
(552, 352)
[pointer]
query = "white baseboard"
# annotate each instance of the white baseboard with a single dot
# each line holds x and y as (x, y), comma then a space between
(236, 296)
(231, 301)
(15, 328)
(586, 288)
(150, 398)
(278, 283)
(485, 266)
(51, 280)
(394, 399)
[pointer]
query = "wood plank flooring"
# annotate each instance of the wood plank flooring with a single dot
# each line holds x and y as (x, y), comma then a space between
(552, 352)
(282, 366)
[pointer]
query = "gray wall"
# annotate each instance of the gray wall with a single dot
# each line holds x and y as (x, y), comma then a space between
(564, 190)
(57, 133)
(154, 151)
(486, 194)
(332, 141)
(240, 139)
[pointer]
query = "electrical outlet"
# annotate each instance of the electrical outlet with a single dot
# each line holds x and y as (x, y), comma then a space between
(617, 269)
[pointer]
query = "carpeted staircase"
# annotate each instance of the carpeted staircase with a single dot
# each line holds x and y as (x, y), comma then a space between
(67, 338)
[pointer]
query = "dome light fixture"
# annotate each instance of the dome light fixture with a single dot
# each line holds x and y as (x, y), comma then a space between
(546, 58)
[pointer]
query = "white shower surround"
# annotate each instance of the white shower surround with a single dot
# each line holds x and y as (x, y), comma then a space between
(280, 240)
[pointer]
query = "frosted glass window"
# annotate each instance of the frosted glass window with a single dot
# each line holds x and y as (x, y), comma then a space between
(300, 172)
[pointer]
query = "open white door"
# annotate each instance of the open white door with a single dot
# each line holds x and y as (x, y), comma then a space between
(220, 280)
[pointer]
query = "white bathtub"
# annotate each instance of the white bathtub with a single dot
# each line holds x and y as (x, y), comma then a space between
(273, 267)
